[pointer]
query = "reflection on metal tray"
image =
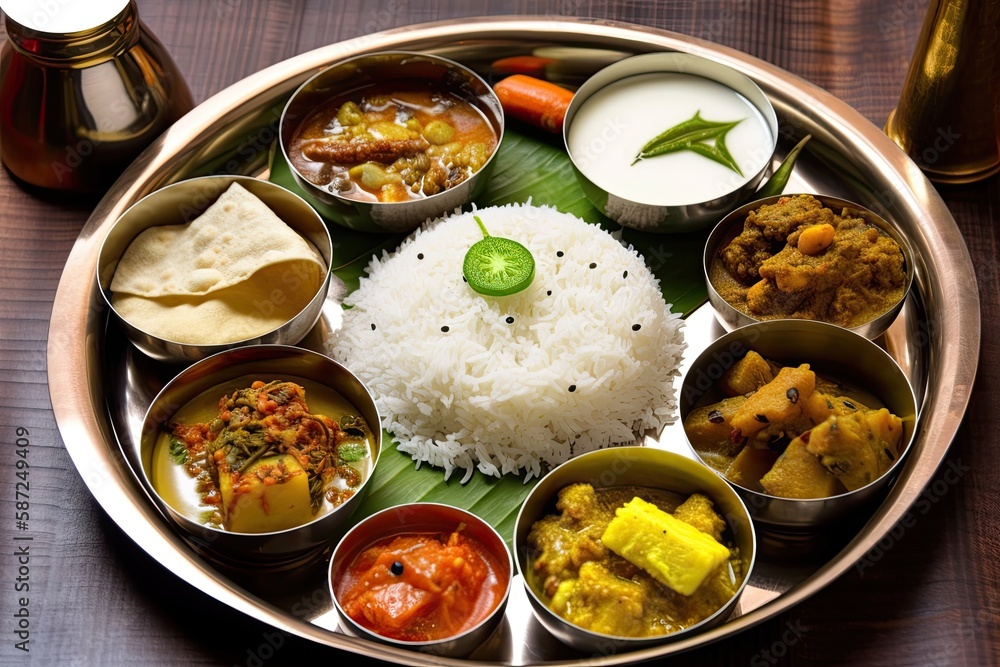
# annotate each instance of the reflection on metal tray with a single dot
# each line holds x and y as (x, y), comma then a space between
(230, 133)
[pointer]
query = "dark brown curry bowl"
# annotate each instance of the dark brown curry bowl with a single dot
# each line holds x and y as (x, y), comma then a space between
(729, 227)
(424, 519)
(640, 467)
(832, 352)
(410, 70)
(221, 374)
(182, 202)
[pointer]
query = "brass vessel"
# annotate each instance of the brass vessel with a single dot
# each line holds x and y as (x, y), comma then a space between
(948, 117)
(77, 106)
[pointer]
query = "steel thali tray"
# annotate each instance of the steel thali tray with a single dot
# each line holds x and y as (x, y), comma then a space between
(101, 387)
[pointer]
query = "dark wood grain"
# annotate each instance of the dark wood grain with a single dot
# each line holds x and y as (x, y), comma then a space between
(932, 597)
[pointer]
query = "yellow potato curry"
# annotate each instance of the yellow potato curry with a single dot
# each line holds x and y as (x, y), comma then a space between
(592, 563)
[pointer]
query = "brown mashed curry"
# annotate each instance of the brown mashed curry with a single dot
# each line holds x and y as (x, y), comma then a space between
(797, 258)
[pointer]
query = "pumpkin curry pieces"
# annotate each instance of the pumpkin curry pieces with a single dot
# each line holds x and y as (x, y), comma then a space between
(788, 432)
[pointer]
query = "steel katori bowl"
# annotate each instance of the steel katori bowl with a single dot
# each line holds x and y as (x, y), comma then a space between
(832, 352)
(180, 203)
(649, 213)
(434, 519)
(630, 466)
(369, 71)
(731, 317)
(222, 374)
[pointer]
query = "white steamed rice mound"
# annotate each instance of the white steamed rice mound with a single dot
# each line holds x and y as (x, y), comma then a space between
(589, 358)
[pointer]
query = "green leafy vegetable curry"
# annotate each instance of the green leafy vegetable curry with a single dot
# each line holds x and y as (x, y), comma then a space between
(261, 461)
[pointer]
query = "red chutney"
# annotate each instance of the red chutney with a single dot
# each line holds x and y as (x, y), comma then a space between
(422, 587)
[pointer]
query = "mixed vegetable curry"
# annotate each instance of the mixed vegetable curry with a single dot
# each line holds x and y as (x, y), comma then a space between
(392, 144)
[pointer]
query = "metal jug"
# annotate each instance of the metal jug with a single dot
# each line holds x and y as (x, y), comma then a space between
(84, 88)
(948, 117)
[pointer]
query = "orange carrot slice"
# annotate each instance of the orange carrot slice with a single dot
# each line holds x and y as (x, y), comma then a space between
(521, 64)
(534, 101)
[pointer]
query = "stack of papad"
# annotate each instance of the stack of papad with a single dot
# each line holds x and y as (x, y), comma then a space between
(233, 273)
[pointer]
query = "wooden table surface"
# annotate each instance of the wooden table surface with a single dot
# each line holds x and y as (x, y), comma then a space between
(933, 597)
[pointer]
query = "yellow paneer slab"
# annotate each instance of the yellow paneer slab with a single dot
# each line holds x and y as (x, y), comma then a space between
(267, 506)
(674, 553)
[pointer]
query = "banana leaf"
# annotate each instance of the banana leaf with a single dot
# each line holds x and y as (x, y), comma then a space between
(527, 166)
(530, 166)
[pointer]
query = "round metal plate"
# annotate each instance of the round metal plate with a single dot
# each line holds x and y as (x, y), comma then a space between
(936, 339)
